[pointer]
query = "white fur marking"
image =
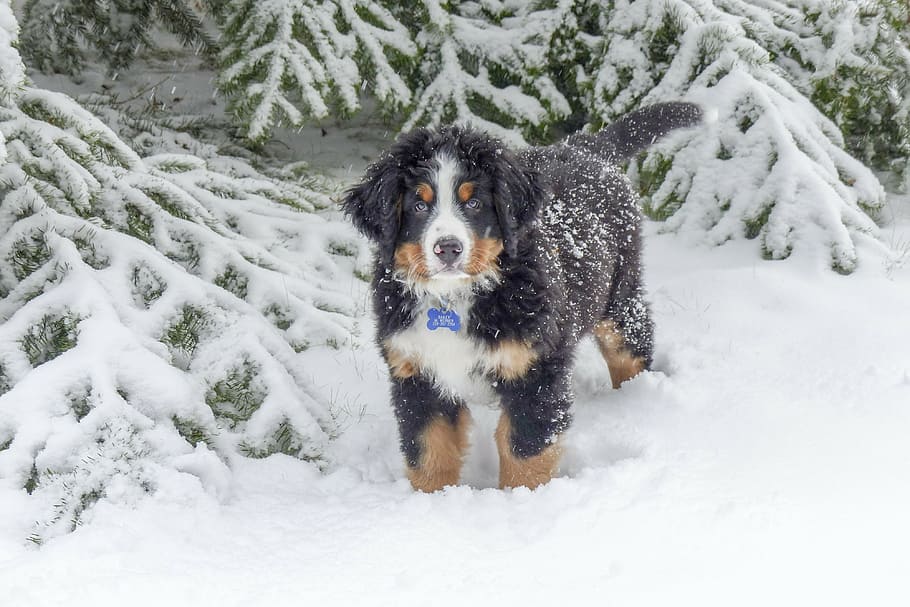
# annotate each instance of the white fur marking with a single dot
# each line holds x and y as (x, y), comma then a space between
(447, 219)
(454, 360)
(450, 287)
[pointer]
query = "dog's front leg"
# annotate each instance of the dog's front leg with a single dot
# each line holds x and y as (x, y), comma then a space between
(433, 430)
(535, 411)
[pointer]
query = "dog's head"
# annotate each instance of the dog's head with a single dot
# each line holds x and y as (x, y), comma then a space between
(443, 205)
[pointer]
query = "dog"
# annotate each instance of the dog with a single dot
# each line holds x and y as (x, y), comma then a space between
(489, 268)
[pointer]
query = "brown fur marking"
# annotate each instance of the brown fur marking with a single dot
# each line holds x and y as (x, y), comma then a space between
(514, 471)
(401, 366)
(425, 191)
(622, 364)
(443, 446)
(484, 256)
(510, 359)
(465, 191)
(409, 259)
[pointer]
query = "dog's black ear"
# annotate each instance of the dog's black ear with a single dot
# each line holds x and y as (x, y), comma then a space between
(374, 205)
(518, 196)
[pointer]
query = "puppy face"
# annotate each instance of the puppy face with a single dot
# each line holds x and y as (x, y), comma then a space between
(450, 232)
(443, 206)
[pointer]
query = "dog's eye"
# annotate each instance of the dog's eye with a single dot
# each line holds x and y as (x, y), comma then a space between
(472, 203)
(420, 206)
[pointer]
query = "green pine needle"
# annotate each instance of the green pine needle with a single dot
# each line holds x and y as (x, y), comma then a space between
(147, 285)
(183, 335)
(236, 397)
(29, 254)
(139, 224)
(233, 281)
(50, 337)
(191, 431)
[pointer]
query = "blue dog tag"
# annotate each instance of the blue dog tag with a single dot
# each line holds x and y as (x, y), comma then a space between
(437, 318)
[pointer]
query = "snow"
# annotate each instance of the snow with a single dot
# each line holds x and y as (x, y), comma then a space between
(763, 461)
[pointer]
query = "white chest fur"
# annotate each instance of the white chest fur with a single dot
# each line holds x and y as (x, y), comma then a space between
(456, 362)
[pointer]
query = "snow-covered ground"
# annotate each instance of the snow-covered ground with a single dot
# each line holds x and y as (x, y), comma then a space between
(765, 461)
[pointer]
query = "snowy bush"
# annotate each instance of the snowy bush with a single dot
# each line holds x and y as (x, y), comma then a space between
(287, 62)
(12, 72)
(145, 331)
(64, 35)
(852, 59)
(485, 63)
(770, 166)
(796, 87)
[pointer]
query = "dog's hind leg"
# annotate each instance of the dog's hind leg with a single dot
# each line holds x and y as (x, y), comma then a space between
(621, 361)
(625, 334)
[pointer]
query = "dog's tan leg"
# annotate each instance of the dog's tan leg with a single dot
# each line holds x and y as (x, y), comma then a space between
(442, 448)
(515, 471)
(622, 363)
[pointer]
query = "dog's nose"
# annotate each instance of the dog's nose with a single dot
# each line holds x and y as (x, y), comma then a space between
(448, 250)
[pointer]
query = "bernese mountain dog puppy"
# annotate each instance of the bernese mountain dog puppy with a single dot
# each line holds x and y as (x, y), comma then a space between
(490, 267)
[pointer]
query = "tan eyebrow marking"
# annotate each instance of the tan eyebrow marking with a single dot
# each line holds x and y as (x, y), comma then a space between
(465, 191)
(425, 192)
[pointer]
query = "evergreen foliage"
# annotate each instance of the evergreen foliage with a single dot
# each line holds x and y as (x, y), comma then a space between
(287, 62)
(12, 71)
(852, 59)
(575, 40)
(771, 166)
(137, 308)
(63, 35)
(486, 63)
(798, 86)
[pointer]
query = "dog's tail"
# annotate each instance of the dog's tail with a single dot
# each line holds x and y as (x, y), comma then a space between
(637, 130)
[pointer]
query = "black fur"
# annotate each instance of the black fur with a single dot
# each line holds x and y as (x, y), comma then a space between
(634, 132)
(570, 228)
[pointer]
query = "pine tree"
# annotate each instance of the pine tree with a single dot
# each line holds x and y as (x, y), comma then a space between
(289, 62)
(771, 166)
(62, 35)
(485, 63)
(146, 332)
(574, 41)
(12, 71)
(852, 59)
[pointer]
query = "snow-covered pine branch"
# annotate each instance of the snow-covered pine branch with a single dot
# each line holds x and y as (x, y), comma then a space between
(484, 63)
(286, 62)
(145, 331)
(575, 38)
(63, 35)
(12, 72)
(852, 59)
(770, 166)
